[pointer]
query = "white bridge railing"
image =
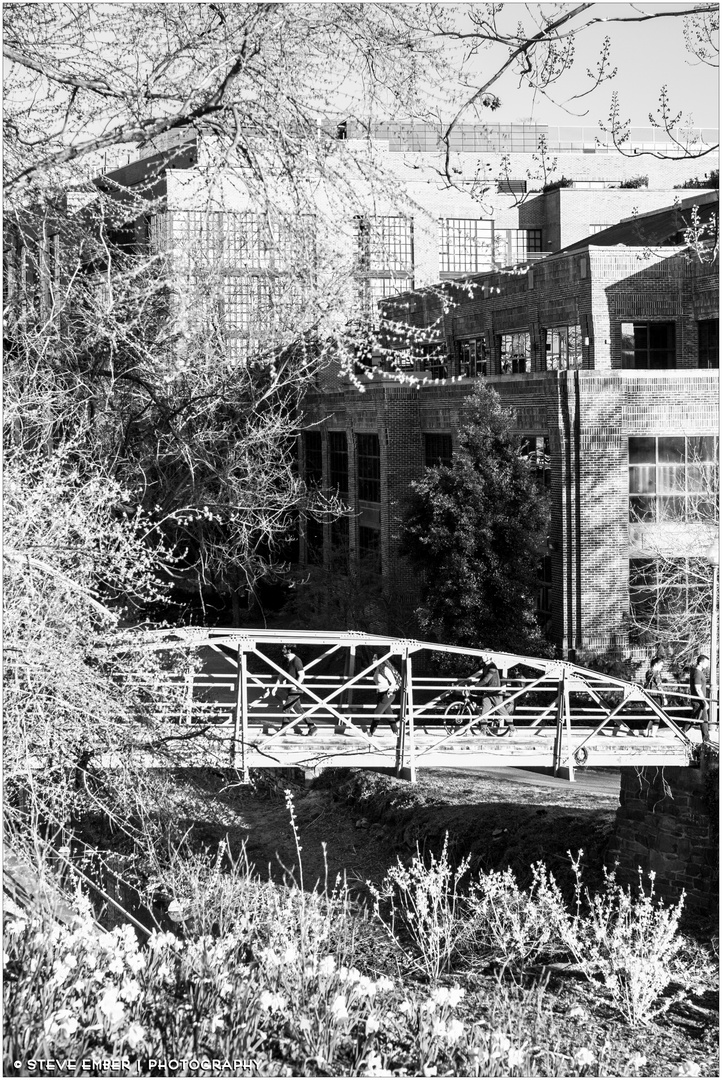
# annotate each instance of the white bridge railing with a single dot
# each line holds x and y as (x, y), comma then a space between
(236, 682)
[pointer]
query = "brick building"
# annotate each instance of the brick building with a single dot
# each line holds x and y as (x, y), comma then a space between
(606, 356)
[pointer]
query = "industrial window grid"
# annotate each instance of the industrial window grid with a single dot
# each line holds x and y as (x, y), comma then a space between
(338, 461)
(473, 357)
(438, 448)
(563, 347)
(535, 449)
(313, 447)
(368, 467)
(524, 138)
(465, 245)
(515, 245)
(386, 243)
(515, 353)
(648, 345)
(245, 241)
(374, 289)
(593, 229)
(708, 343)
(665, 591)
(673, 478)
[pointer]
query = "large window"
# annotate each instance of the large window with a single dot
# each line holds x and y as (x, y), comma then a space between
(437, 449)
(563, 347)
(385, 259)
(246, 274)
(708, 340)
(465, 245)
(368, 466)
(338, 461)
(668, 595)
(673, 478)
(648, 345)
(313, 472)
(515, 353)
(473, 358)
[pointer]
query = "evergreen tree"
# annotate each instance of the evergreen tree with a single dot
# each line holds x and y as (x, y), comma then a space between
(475, 531)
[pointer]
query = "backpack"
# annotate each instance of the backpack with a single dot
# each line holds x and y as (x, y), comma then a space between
(393, 676)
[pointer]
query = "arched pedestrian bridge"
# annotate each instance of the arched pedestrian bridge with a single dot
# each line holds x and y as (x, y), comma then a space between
(225, 689)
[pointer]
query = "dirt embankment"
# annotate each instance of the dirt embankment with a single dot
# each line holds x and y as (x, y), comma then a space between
(366, 820)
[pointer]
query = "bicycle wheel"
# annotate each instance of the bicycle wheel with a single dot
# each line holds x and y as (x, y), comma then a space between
(457, 714)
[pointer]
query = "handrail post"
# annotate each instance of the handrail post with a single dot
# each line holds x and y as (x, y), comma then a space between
(557, 759)
(568, 725)
(401, 737)
(409, 683)
(240, 731)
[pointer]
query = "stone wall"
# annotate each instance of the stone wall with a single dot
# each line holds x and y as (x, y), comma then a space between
(667, 823)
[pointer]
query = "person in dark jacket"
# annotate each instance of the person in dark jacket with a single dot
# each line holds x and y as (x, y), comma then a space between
(486, 681)
(654, 682)
(698, 691)
(294, 667)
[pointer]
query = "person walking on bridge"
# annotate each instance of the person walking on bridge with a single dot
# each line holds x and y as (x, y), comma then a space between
(698, 691)
(387, 686)
(293, 693)
(653, 681)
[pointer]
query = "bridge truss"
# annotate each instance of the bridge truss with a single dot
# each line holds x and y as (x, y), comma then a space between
(551, 713)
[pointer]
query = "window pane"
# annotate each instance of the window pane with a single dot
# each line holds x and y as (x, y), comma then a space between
(515, 353)
(642, 572)
(642, 479)
(340, 545)
(670, 478)
(338, 461)
(642, 450)
(369, 467)
(640, 336)
(642, 508)
(437, 449)
(671, 508)
(314, 457)
(370, 549)
(671, 448)
(701, 448)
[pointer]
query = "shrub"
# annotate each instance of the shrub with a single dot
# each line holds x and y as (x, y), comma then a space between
(510, 925)
(562, 182)
(635, 182)
(710, 180)
(424, 899)
(630, 940)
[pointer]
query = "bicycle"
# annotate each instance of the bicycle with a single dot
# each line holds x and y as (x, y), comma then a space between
(465, 708)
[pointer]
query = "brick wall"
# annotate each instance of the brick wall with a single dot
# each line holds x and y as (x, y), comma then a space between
(565, 215)
(667, 824)
(588, 417)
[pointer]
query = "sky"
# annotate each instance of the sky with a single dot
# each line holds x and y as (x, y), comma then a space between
(647, 55)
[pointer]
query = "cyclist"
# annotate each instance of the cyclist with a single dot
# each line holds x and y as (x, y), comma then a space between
(486, 680)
